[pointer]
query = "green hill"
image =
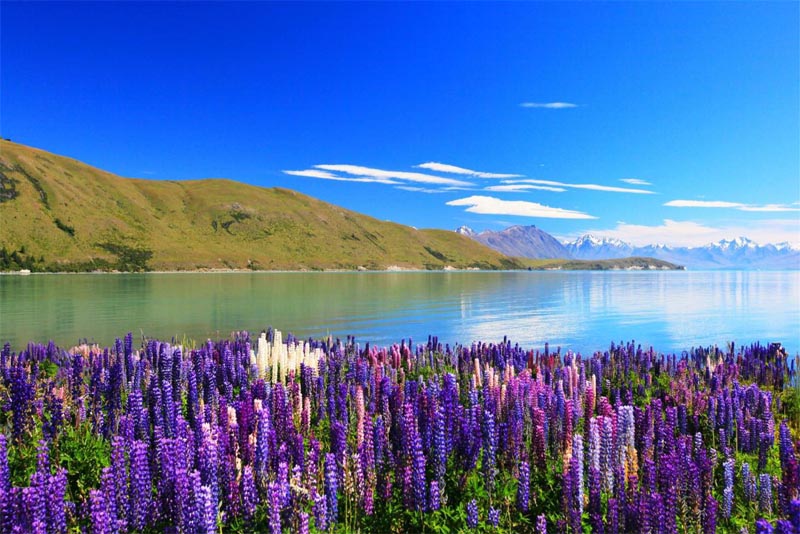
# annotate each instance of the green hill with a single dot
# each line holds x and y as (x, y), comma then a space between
(59, 214)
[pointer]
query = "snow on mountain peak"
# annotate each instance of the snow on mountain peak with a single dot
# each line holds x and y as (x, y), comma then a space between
(465, 230)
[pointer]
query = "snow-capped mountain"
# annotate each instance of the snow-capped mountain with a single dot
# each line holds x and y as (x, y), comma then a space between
(738, 253)
(465, 230)
(590, 247)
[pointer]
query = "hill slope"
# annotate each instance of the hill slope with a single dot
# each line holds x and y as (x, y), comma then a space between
(61, 214)
(520, 241)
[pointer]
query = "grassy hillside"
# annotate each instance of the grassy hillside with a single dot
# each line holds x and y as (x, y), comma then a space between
(59, 214)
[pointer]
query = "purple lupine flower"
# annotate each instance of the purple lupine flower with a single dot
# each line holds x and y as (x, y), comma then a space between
(419, 473)
(331, 488)
(435, 500)
(489, 449)
(524, 487)
(577, 480)
(765, 493)
(439, 445)
(541, 524)
(108, 489)
(99, 515)
(321, 512)
(710, 517)
(749, 482)
(249, 493)
(727, 492)
(5, 472)
(275, 497)
(302, 523)
(140, 488)
(782, 526)
(494, 516)
(208, 511)
(283, 483)
(56, 506)
(763, 527)
(472, 514)
(794, 513)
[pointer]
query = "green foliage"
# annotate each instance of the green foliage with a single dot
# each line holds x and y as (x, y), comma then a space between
(18, 259)
(64, 227)
(128, 258)
(84, 454)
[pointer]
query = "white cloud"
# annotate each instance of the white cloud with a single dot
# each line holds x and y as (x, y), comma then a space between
(549, 105)
(634, 181)
(398, 175)
(420, 189)
(323, 175)
(452, 169)
(694, 234)
(592, 187)
(495, 206)
(522, 188)
(731, 205)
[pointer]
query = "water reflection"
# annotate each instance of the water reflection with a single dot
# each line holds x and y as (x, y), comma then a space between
(579, 311)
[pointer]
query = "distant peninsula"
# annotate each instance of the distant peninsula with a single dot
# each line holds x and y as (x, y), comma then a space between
(60, 215)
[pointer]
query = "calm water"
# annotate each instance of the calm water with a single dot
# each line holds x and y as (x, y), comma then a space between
(582, 311)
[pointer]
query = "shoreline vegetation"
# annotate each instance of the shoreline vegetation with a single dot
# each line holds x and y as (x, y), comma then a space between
(624, 264)
(267, 434)
(60, 215)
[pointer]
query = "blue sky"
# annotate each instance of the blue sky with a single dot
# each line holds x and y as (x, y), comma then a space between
(651, 122)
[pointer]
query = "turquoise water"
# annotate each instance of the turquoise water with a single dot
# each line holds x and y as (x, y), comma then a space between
(582, 311)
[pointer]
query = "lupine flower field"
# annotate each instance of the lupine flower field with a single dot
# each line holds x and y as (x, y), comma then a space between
(271, 435)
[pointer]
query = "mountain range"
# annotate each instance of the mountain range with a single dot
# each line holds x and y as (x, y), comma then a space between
(738, 253)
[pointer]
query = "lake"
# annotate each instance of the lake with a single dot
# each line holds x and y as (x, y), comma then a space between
(581, 311)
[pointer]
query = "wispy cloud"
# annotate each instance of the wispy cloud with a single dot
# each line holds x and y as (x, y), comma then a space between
(495, 206)
(522, 188)
(593, 187)
(634, 181)
(694, 234)
(323, 175)
(730, 205)
(549, 105)
(416, 189)
(398, 175)
(452, 169)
